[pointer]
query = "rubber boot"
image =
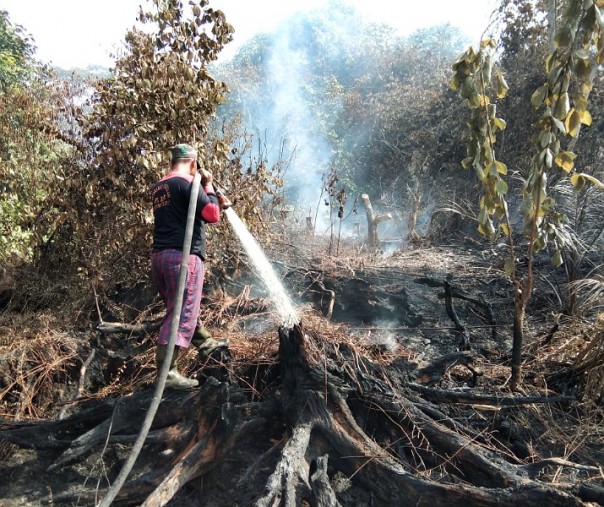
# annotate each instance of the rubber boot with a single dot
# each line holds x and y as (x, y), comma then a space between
(174, 380)
(202, 339)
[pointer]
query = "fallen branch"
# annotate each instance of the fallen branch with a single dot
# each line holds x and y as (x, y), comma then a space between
(533, 469)
(459, 327)
(135, 329)
(440, 396)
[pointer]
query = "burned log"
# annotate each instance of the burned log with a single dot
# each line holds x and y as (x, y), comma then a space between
(459, 327)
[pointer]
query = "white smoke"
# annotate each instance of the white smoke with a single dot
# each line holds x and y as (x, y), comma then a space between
(292, 117)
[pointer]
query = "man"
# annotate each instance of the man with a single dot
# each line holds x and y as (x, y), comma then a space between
(171, 197)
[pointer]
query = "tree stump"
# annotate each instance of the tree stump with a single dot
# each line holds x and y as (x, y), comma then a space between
(333, 417)
(373, 220)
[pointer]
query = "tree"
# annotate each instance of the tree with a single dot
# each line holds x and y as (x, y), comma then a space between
(160, 93)
(34, 154)
(16, 51)
(563, 110)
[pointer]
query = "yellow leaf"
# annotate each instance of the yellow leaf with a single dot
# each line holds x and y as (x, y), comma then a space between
(501, 167)
(499, 123)
(586, 118)
(538, 97)
(572, 123)
(455, 83)
(480, 172)
(577, 181)
(483, 216)
(548, 63)
(506, 229)
(588, 177)
(562, 107)
(467, 162)
(565, 160)
(502, 86)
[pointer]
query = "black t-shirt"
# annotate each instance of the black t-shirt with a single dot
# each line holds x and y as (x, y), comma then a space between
(170, 198)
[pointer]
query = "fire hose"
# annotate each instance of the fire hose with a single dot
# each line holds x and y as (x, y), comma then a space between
(165, 367)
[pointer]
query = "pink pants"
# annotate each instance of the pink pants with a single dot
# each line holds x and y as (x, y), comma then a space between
(165, 270)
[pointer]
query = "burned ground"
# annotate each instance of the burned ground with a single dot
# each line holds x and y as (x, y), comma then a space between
(371, 401)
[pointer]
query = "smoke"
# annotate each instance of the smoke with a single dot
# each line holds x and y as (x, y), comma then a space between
(292, 117)
(292, 105)
(306, 91)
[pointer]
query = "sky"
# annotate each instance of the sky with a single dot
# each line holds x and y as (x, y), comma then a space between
(80, 33)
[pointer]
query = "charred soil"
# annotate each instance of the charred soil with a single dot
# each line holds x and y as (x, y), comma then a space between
(393, 390)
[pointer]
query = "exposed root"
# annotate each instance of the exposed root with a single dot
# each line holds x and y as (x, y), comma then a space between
(283, 486)
(332, 401)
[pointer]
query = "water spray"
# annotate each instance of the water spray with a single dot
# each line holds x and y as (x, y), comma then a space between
(265, 271)
(274, 287)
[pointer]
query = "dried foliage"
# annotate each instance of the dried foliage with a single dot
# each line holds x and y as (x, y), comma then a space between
(97, 220)
(523, 30)
(590, 362)
(39, 367)
(160, 94)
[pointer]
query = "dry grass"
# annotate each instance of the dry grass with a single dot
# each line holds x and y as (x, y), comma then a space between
(38, 365)
(590, 363)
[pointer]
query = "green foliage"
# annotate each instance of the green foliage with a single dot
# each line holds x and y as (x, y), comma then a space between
(16, 50)
(31, 147)
(563, 111)
(34, 160)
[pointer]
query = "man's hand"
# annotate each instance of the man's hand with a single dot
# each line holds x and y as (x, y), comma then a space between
(206, 177)
(225, 202)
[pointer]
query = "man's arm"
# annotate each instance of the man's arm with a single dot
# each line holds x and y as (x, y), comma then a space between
(208, 202)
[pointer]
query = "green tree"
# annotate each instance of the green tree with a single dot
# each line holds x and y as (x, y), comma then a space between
(579, 45)
(33, 152)
(16, 51)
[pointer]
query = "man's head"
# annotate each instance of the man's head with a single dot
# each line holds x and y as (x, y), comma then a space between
(184, 154)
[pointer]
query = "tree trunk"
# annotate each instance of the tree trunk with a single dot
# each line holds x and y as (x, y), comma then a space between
(373, 220)
(518, 338)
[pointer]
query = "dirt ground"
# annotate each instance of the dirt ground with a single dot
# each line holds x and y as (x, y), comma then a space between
(391, 305)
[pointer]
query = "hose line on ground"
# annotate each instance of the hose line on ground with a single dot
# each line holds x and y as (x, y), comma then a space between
(163, 372)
